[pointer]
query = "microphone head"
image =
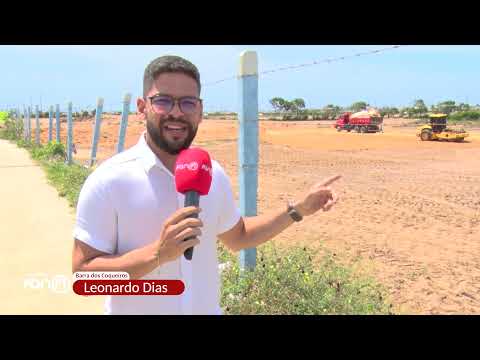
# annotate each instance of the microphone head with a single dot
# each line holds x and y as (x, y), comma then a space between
(193, 171)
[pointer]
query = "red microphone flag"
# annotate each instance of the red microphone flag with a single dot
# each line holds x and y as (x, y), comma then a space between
(193, 171)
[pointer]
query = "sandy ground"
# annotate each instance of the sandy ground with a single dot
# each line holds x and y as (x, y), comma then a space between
(409, 213)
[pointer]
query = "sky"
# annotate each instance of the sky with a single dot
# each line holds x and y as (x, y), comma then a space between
(47, 75)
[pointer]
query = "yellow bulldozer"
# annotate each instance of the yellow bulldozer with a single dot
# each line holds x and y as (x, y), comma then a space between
(437, 130)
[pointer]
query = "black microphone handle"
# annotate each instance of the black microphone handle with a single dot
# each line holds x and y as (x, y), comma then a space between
(192, 198)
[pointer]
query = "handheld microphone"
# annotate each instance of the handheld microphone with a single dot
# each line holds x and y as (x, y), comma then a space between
(193, 177)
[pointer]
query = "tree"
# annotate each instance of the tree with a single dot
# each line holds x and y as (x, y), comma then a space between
(331, 111)
(359, 106)
(407, 112)
(289, 106)
(419, 107)
(446, 107)
(388, 111)
(298, 104)
(463, 107)
(277, 103)
(294, 106)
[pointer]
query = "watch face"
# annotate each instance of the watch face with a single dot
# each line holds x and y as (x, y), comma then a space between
(295, 215)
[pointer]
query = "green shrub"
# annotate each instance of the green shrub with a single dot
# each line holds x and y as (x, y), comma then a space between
(52, 151)
(465, 116)
(68, 179)
(3, 117)
(288, 282)
(24, 144)
(11, 130)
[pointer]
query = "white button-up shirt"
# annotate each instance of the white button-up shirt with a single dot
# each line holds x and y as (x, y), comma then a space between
(123, 205)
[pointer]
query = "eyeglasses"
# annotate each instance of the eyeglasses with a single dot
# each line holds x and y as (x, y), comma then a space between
(164, 103)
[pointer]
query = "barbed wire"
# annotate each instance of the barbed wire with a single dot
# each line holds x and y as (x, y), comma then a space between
(315, 62)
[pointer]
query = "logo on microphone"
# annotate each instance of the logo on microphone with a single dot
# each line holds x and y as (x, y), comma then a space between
(207, 169)
(193, 166)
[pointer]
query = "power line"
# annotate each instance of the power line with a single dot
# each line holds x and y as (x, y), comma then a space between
(316, 62)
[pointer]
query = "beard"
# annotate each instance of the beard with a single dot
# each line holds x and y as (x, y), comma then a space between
(157, 134)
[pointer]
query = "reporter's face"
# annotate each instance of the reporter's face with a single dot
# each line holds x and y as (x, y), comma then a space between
(172, 111)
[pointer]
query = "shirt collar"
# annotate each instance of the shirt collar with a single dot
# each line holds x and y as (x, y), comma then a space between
(148, 157)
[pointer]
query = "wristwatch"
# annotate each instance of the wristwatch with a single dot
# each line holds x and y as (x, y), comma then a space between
(294, 214)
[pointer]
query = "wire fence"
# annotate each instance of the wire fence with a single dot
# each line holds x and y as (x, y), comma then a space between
(61, 119)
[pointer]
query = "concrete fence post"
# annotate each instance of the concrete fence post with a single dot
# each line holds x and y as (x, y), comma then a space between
(37, 126)
(25, 129)
(57, 118)
(69, 133)
(96, 131)
(19, 121)
(50, 123)
(124, 122)
(248, 145)
(29, 125)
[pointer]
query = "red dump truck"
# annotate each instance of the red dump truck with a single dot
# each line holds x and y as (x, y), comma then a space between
(362, 122)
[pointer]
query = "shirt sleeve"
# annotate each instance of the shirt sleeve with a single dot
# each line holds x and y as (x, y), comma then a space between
(229, 214)
(96, 218)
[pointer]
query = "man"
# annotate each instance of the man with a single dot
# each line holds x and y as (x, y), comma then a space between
(130, 217)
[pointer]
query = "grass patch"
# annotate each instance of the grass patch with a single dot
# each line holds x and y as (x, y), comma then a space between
(465, 116)
(3, 117)
(464, 122)
(289, 282)
(67, 179)
(10, 129)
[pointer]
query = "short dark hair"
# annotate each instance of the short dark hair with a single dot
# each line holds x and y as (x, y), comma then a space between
(169, 64)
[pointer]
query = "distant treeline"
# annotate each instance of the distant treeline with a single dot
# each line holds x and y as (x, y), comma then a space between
(296, 110)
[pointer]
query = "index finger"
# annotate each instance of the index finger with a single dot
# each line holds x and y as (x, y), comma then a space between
(331, 180)
(181, 214)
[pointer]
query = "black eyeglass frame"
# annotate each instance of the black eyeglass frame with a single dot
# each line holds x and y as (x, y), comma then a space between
(175, 100)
